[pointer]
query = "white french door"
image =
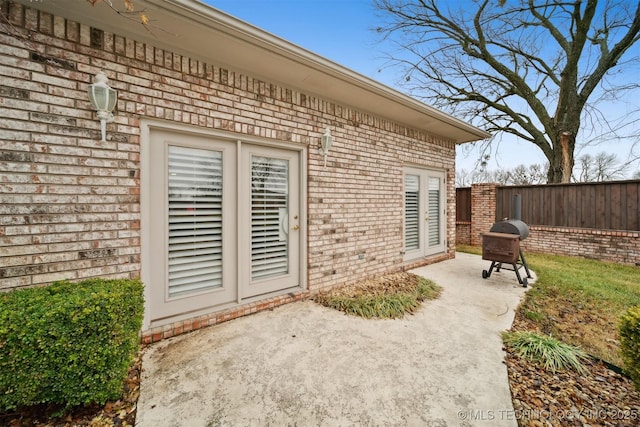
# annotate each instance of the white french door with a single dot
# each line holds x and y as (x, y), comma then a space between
(424, 213)
(269, 247)
(224, 222)
(192, 223)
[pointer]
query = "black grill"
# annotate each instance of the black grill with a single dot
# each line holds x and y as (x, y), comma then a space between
(501, 245)
(511, 226)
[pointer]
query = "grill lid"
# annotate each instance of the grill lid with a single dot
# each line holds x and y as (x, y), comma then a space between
(511, 226)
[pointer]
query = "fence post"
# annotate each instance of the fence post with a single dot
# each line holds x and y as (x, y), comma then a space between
(483, 210)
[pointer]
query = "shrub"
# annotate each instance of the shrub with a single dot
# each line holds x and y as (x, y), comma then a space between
(69, 343)
(630, 343)
(552, 354)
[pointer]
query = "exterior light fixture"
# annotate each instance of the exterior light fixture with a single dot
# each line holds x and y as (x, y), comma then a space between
(103, 98)
(325, 144)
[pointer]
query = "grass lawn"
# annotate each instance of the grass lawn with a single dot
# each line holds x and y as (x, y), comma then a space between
(579, 301)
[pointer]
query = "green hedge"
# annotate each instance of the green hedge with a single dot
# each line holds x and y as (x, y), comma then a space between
(630, 343)
(68, 343)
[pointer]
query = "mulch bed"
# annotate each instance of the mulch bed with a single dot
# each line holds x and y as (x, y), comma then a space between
(379, 286)
(603, 397)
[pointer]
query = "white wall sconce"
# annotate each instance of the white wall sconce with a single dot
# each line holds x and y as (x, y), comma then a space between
(325, 144)
(103, 98)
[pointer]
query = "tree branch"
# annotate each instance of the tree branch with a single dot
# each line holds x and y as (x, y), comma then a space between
(610, 58)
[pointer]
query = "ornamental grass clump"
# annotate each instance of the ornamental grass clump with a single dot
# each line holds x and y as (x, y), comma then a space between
(390, 296)
(552, 354)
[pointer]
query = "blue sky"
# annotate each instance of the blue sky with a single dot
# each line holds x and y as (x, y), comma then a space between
(340, 30)
(343, 31)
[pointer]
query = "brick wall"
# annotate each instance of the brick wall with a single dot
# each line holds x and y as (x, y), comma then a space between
(463, 232)
(483, 211)
(607, 245)
(356, 203)
(70, 203)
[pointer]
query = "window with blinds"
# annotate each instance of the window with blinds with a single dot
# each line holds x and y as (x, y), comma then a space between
(434, 211)
(195, 220)
(269, 221)
(411, 212)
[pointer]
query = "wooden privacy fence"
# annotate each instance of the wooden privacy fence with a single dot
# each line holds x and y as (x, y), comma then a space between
(602, 205)
(592, 220)
(463, 204)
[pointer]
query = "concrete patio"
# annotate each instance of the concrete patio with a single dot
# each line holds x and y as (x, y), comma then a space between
(306, 365)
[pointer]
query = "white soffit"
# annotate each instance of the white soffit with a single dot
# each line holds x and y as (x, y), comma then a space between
(200, 31)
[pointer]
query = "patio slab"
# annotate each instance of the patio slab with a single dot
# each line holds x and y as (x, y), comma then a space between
(306, 365)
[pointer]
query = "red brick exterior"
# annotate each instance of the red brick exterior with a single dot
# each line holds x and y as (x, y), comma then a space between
(607, 245)
(483, 211)
(71, 204)
(463, 232)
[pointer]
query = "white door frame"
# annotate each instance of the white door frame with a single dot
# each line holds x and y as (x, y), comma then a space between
(147, 186)
(426, 245)
(289, 222)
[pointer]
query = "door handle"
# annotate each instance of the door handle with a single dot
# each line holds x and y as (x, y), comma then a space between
(296, 227)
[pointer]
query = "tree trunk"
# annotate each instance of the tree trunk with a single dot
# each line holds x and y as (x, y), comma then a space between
(562, 160)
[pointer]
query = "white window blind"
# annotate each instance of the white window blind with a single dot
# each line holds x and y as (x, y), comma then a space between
(411, 212)
(434, 211)
(269, 220)
(195, 220)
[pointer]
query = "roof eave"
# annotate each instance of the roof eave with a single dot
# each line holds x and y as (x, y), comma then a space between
(182, 26)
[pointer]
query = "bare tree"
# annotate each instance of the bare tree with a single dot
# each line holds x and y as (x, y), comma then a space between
(520, 175)
(537, 174)
(601, 167)
(530, 68)
(464, 178)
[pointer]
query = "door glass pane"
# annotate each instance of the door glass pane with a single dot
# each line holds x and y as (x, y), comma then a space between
(269, 217)
(195, 220)
(433, 210)
(411, 212)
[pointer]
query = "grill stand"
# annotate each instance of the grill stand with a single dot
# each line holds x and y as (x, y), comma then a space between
(516, 267)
